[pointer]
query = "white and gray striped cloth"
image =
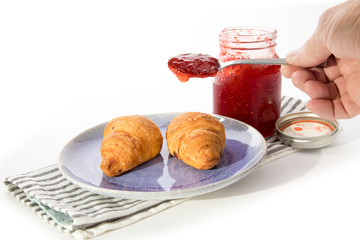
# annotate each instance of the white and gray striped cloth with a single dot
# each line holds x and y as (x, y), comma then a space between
(85, 214)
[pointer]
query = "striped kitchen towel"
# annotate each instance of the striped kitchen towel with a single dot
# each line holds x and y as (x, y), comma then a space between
(84, 214)
(275, 149)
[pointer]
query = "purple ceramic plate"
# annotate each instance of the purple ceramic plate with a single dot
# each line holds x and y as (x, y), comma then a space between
(164, 177)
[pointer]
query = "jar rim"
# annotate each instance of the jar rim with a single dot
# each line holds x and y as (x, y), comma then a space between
(248, 30)
(248, 33)
(247, 37)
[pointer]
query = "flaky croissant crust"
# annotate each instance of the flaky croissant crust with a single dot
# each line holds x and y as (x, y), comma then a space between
(196, 138)
(128, 142)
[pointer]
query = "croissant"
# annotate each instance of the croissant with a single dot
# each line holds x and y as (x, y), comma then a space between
(198, 139)
(128, 142)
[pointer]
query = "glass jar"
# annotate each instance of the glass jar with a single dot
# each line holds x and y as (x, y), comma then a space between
(249, 93)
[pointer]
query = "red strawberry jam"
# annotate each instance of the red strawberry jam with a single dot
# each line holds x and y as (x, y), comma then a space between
(249, 93)
(193, 65)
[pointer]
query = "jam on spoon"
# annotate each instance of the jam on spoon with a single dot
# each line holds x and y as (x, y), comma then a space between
(193, 65)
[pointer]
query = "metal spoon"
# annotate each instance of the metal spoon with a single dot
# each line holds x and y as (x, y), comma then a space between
(264, 61)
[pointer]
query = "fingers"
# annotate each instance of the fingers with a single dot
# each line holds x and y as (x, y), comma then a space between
(301, 77)
(288, 70)
(332, 69)
(341, 108)
(316, 89)
(333, 95)
(315, 83)
(353, 80)
(322, 108)
(328, 73)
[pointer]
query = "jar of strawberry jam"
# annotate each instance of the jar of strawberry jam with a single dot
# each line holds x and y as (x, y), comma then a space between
(249, 93)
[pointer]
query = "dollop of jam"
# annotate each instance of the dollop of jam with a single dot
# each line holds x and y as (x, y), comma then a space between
(193, 65)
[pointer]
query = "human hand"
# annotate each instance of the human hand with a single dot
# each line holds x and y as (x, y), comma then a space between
(334, 89)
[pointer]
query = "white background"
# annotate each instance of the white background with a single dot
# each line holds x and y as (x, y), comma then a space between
(68, 65)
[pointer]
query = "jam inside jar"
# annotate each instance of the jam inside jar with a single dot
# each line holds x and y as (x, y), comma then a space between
(249, 93)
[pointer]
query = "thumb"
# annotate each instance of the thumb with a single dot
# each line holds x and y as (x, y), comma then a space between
(312, 53)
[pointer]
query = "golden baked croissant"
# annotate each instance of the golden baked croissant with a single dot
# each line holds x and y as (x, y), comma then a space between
(196, 138)
(128, 142)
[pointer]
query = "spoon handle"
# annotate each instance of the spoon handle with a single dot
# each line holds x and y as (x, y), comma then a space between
(264, 61)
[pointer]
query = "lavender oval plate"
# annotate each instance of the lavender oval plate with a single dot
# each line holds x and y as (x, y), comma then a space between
(164, 177)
